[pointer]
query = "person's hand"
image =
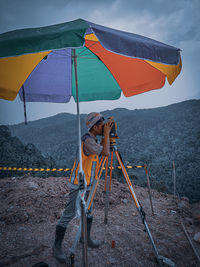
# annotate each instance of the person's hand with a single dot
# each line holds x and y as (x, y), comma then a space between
(107, 127)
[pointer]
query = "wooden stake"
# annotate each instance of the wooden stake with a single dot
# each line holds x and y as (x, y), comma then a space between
(174, 172)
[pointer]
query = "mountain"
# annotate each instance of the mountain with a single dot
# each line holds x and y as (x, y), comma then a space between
(152, 136)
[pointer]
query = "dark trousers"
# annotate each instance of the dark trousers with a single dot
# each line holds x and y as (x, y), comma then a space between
(71, 206)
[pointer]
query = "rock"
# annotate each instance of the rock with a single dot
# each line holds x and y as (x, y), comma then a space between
(173, 211)
(111, 261)
(190, 231)
(186, 199)
(197, 237)
(183, 204)
(25, 175)
(33, 185)
(124, 201)
(188, 220)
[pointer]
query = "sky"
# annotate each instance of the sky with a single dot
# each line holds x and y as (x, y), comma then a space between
(173, 22)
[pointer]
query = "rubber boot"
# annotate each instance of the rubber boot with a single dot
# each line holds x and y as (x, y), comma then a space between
(91, 243)
(57, 247)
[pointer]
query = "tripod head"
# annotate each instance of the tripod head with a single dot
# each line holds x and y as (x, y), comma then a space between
(113, 133)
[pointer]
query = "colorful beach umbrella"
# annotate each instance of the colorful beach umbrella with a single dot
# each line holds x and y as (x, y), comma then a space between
(109, 62)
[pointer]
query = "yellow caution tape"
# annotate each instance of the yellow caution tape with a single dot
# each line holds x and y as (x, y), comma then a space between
(112, 168)
(33, 169)
(129, 167)
(55, 169)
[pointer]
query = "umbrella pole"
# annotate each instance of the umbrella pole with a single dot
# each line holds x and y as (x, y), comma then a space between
(24, 100)
(81, 176)
(78, 111)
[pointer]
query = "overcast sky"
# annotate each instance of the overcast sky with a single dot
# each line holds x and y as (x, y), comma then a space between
(173, 22)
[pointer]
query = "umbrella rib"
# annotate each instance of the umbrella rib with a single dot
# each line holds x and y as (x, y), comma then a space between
(80, 55)
(55, 52)
(99, 52)
(87, 57)
(83, 56)
(86, 48)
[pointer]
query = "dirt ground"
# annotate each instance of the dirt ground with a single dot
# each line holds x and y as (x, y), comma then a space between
(31, 206)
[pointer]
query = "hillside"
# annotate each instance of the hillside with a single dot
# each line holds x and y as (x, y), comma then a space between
(153, 136)
(31, 206)
(14, 153)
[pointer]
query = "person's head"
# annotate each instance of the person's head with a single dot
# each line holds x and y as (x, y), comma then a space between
(94, 123)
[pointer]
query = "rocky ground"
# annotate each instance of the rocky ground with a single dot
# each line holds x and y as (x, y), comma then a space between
(31, 206)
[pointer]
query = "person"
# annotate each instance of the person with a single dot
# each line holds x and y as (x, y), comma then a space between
(91, 150)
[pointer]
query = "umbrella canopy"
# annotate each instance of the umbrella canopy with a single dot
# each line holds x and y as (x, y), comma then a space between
(108, 62)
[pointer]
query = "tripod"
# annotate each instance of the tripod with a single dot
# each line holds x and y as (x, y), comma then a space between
(104, 160)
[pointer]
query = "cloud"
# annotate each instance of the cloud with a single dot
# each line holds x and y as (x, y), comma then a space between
(175, 21)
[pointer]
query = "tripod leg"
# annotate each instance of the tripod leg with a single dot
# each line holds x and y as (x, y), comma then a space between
(106, 174)
(138, 206)
(107, 181)
(111, 168)
(108, 189)
(94, 185)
